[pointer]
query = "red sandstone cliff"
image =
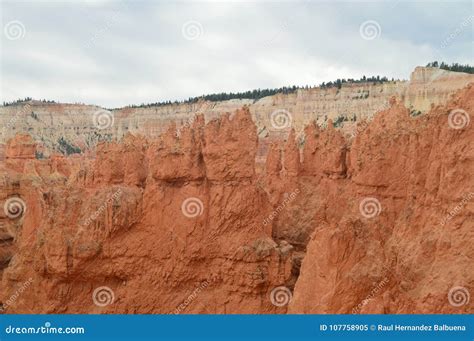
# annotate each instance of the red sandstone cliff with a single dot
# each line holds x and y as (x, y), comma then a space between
(183, 224)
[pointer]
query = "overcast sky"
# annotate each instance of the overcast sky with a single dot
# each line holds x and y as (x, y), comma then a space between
(114, 53)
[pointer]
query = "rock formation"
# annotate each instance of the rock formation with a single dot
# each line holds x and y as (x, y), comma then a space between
(184, 223)
(54, 126)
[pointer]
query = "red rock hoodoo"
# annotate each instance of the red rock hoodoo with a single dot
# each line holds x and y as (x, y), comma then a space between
(183, 223)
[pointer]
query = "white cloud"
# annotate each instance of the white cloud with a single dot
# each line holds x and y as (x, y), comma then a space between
(112, 54)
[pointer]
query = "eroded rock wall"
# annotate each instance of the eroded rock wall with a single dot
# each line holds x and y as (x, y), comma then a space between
(403, 234)
(82, 126)
(183, 223)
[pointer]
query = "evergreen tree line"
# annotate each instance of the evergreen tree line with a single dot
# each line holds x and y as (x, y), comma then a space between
(260, 93)
(338, 83)
(453, 67)
(24, 100)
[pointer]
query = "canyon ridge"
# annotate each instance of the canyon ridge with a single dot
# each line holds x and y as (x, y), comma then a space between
(357, 200)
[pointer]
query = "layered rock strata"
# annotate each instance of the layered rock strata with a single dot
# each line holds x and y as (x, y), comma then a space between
(379, 223)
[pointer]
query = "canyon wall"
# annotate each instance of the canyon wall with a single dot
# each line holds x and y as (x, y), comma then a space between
(82, 126)
(183, 223)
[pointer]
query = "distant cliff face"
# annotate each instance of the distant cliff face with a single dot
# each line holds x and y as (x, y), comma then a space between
(381, 223)
(61, 127)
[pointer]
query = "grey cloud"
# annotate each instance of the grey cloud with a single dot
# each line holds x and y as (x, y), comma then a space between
(112, 55)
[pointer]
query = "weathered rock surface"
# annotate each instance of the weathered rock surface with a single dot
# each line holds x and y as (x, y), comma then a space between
(82, 126)
(409, 255)
(183, 223)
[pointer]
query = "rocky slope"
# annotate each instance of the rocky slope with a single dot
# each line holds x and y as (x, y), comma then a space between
(379, 223)
(82, 126)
